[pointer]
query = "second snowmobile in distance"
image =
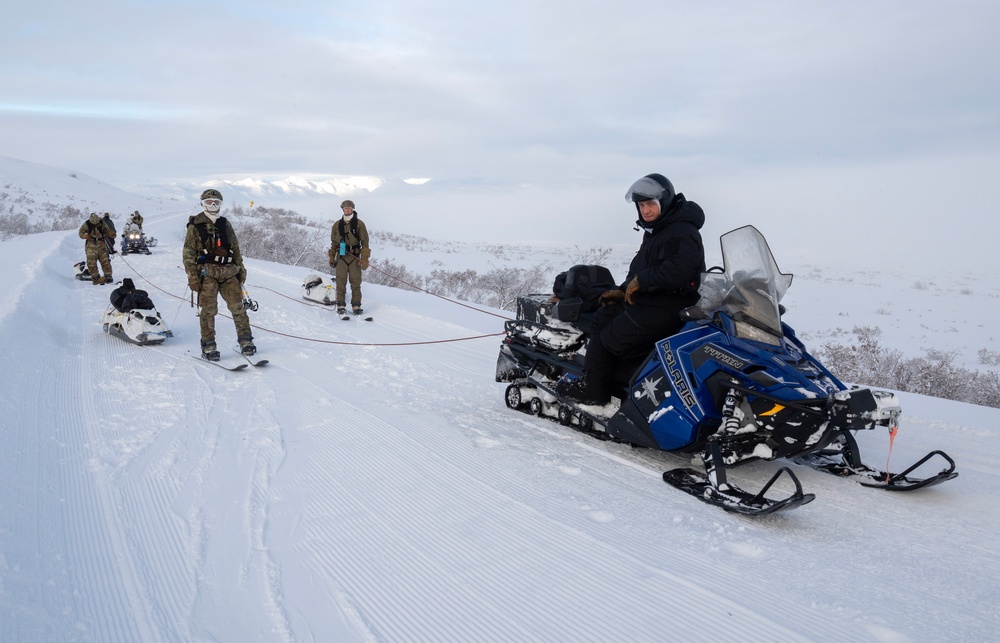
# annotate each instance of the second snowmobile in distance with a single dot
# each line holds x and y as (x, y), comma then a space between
(734, 385)
(135, 241)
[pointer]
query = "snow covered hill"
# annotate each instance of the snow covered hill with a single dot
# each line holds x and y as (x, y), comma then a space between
(371, 485)
(37, 190)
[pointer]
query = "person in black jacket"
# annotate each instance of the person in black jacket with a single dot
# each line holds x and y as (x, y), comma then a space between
(663, 279)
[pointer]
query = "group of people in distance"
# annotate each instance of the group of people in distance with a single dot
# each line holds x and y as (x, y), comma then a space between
(663, 277)
(214, 266)
(99, 235)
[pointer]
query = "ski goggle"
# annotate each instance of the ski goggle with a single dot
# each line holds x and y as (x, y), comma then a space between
(645, 189)
(211, 202)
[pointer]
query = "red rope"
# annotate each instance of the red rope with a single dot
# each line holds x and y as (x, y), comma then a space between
(327, 341)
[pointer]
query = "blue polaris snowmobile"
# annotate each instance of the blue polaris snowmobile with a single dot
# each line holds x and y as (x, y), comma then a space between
(734, 385)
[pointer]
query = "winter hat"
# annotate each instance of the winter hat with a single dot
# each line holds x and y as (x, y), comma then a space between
(347, 204)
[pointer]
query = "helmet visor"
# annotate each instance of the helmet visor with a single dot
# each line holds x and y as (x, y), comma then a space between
(645, 189)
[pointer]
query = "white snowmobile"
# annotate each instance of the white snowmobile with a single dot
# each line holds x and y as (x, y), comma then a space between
(133, 317)
(134, 240)
(319, 289)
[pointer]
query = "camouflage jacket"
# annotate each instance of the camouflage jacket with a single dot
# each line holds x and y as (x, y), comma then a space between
(94, 232)
(212, 248)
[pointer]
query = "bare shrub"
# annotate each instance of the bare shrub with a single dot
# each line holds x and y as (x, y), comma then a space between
(592, 256)
(988, 357)
(935, 374)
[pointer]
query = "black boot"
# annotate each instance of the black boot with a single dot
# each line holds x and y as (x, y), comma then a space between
(246, 346)
(209, 351)
(587, 389)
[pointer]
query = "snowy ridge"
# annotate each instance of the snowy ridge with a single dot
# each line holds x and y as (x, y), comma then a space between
(363, 492)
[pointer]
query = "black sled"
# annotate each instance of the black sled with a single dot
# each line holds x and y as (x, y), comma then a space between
(733, 386)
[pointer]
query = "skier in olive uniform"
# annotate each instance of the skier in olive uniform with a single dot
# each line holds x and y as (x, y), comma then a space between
(94, 230)
(214, 266)
(349, 256)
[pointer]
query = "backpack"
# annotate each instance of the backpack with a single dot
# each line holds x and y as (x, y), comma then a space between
(586, 282)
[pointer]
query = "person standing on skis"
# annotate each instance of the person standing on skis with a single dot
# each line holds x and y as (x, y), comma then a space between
(95, 230)
(663, 279)
(349, 253)
(214, 266)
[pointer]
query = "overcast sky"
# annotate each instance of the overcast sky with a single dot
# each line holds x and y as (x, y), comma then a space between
(882, 115)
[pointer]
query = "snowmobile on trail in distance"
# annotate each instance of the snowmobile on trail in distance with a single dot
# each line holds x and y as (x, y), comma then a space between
(319, 289)
(132, 316)
(734, 385)
(135, 241)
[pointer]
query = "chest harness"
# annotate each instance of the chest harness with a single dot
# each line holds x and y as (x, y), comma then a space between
(215, 242)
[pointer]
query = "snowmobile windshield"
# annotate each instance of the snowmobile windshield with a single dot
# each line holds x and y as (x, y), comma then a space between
(749, 289)
(643, 190)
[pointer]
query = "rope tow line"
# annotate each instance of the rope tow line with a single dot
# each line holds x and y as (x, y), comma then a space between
(330, 341)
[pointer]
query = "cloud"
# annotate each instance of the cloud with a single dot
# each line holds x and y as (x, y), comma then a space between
(546, 100)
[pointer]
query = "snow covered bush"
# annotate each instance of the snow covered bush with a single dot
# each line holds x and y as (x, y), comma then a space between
(868, 362)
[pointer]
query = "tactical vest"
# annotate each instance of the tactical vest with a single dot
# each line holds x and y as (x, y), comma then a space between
(94, 227)
(215, 243)
(356, 248)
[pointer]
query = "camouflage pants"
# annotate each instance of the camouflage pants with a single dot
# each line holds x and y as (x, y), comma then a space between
(208, 299)
(98, 251)
(350, 271)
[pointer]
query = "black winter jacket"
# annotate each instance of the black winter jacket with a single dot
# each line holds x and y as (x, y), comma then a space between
(671, 258)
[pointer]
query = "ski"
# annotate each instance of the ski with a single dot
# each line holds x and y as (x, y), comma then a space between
(257, 364)
(869, 477)
(238, 367)
(734, 499)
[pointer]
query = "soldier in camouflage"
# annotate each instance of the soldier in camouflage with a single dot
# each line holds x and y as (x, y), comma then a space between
(94, 230)
(349, 254)
(214, 266)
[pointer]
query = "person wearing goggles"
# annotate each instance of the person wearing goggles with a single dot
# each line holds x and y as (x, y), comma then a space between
(663, 279)
(214, 265)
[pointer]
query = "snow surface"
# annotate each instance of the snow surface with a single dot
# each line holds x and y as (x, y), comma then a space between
(369, 485)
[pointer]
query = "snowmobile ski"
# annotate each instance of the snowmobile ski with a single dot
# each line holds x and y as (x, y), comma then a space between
(258, 363)
(842, 461)
(734, 499)
(238, 367)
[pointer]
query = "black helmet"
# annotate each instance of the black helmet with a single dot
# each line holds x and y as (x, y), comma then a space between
(652, 187)
(211, 193)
